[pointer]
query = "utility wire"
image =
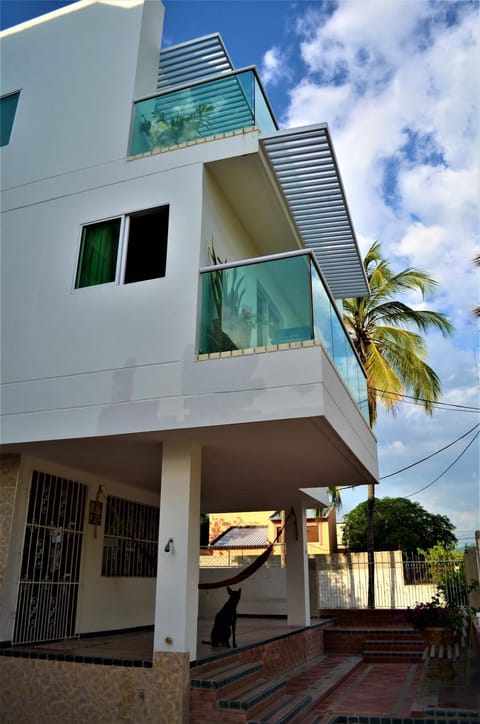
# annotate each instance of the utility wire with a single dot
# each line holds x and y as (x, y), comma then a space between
(416, 400)
(407, 467)
(446, 469)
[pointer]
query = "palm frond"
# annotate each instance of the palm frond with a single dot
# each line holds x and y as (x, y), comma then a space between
(384, 331)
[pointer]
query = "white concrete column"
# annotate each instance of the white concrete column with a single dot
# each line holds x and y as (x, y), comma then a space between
(298, 595)
(176, 608)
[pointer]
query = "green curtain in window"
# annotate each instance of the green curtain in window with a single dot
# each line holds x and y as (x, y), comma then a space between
(98, 254)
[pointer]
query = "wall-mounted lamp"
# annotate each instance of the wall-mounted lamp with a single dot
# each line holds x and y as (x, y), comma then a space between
(169, 546)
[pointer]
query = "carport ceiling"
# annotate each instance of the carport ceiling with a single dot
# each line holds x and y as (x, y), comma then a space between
(256, 466)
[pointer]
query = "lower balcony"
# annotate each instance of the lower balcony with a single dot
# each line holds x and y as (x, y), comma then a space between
(275, 301)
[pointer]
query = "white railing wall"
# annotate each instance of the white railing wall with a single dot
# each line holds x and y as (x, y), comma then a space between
(341, 581)
(337, 580)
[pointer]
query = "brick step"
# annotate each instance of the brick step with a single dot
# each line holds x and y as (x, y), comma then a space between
(222, 675)
(353, 640)
(234, 692)
(394, 650)
(414, 644)
(389, 657)
(320, 678)
(316, 718)
(248, 697)
(281, 709)
(323, 675)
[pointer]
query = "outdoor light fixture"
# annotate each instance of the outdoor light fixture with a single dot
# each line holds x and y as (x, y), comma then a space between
(169, 546)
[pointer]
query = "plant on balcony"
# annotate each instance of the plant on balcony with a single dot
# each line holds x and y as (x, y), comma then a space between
(233, 320)
(162, 130)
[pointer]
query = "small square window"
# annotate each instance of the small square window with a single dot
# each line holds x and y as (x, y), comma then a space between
(8, 108)
(124, 250)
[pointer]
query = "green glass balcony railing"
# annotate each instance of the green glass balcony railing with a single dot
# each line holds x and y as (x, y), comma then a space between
(229, 103)
(272, 301)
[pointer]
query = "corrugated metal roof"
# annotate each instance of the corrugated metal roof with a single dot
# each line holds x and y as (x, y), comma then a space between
(252, 536)
(192, 61)
(304, 164)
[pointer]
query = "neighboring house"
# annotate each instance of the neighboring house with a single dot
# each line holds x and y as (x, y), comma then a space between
(240, 534)
(142, 384)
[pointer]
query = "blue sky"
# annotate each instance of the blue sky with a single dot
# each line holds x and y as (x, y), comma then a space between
(397, 82)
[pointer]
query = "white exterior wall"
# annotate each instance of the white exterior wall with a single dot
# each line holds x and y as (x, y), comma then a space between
(70, 356)
(220, 223)
(78, 72)
(104, 603)
(263, 594)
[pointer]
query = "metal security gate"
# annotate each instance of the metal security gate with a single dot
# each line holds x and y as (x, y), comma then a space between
(47, 598)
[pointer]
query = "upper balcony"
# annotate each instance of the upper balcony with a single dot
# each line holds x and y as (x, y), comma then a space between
(274, 301)
(203, 109)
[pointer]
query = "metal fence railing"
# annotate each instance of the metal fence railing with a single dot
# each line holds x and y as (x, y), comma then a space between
(341, 580)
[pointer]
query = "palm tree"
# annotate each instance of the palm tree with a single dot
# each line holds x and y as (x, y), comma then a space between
(393, 355)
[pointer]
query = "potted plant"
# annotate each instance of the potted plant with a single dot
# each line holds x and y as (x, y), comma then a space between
(162, 130)
(437, 621)
(234, 320)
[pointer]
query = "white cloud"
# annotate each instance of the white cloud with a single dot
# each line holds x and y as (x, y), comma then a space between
(397, 83)
(274, 68)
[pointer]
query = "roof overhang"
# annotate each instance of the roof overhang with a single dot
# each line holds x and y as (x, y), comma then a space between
(303, 162)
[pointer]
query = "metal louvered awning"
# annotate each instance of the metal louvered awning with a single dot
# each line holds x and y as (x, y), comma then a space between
(304, 164)
(192, 61)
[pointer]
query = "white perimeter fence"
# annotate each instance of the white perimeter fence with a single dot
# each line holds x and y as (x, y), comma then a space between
(338, 580)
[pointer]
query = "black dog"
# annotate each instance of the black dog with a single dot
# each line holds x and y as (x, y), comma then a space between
(225, 622)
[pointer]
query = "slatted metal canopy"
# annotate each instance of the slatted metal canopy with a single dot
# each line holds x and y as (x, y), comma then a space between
(304, 164)
(192, 61)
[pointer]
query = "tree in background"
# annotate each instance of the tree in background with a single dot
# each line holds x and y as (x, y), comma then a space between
(446, 567)
(393, 355)
(399, 524)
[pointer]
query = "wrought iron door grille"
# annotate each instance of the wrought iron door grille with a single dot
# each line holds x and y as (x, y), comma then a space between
(47, 598)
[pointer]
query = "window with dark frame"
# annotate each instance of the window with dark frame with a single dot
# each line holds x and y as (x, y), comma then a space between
(130, 542)
(141, 240)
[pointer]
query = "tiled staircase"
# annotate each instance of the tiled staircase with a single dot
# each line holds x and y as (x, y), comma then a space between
(389, 646)
(288, 683)
(376, 645)
(228, 691)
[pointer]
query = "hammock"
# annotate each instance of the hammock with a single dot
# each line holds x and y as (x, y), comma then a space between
(249, 570)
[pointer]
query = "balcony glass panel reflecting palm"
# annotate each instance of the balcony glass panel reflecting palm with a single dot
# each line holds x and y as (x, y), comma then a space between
(230, 103)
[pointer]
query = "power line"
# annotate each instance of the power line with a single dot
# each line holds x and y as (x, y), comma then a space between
(446, 469)
(407, 467)
(418, 400)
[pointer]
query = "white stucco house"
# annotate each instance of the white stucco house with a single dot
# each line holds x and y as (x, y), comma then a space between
(173, 266)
